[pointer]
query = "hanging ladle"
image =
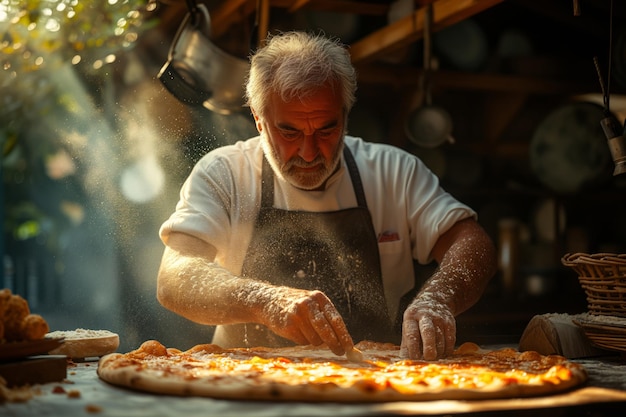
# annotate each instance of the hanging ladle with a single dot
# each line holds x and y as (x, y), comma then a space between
(428, 125)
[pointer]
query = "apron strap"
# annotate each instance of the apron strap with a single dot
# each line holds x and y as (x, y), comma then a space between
(267, 184)
(357, 184)
(267, 181)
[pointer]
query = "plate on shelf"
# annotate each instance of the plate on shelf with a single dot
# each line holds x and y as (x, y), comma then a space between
(18, 350)
(568, 151)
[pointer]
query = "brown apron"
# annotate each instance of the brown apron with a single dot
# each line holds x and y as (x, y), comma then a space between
(335, 252)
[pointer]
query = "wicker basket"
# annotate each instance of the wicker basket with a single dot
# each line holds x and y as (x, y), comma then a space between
(603, 277)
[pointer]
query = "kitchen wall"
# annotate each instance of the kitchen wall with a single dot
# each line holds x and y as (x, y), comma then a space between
(95, 167)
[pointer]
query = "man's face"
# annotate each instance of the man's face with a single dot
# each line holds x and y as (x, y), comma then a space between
(303, 139)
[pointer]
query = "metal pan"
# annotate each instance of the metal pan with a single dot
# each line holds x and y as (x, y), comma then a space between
(428, 125)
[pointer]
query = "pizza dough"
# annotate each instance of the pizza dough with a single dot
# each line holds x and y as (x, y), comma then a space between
(84, 343)
(307, 373)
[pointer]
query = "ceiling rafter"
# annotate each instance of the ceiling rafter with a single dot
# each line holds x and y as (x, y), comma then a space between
(409, 29)
(378, 43)
(231, 12)
(298, 4)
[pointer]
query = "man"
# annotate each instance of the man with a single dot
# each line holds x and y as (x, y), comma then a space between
(306, 235)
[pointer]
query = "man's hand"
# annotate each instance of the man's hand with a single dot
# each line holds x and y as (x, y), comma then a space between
(307, 317)
(428, 330)
(467, 260)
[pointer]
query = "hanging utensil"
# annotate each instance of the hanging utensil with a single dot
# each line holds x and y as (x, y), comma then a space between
(261, 23)
(198, 72)
(428, 125)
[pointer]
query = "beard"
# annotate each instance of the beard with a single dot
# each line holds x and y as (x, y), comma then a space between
(298, 172)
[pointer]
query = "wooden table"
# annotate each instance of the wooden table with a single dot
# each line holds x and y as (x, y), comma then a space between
(84, 394)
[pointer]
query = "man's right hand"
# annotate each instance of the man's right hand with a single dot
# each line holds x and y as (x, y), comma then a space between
(307, 317)
(187, 273)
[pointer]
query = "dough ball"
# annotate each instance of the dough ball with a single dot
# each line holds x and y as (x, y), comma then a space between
(5, 296)
(34, 327)
(17, 309)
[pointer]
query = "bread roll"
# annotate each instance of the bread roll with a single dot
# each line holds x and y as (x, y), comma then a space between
(34, 327)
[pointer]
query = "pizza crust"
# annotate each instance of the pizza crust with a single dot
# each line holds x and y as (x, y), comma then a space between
(85, 343)
(279, 380)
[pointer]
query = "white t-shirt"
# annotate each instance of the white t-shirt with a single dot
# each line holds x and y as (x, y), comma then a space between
(220, 199)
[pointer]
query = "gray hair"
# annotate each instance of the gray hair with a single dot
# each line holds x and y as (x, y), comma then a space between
(296, 64)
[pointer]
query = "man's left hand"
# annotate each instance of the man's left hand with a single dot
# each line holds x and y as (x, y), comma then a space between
(428, 330)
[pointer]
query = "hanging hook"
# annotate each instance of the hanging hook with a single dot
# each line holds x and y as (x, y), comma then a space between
(606, 90)
(426, 77)
(193, 10)
(261, 18)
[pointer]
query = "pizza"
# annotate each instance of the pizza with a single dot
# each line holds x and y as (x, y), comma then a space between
(315, 374)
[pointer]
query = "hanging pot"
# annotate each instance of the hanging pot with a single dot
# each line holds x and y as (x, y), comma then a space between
(198, 72)
(427, 125)
(463, 45)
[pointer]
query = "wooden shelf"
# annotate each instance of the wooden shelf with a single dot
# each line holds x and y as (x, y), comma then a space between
(403, 76)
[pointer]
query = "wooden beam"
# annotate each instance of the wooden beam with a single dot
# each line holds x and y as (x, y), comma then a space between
(297, 5)
(508, 83)
(337, 6)
(231, 12)
(409, 29)
(408, 77)
(226, 15)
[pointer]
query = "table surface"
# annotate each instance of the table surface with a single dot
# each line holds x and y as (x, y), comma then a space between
(606, 389)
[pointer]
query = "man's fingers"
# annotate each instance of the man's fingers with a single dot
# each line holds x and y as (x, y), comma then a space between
(411, 342)
(315, 320)
(440, 343)
(320, 323)
(428, 332)
(450, 339)
(323, 329)
(308, 327)
(297, 336)
(339, 330)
